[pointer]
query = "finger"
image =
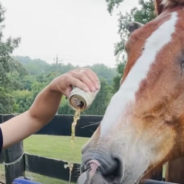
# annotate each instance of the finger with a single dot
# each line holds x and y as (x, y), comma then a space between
(68, 91)
(78, 83)
(93, 77)
(88, 77)
(87, 81)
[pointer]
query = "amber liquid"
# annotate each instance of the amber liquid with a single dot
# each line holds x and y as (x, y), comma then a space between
(75, 120)
(76, 117)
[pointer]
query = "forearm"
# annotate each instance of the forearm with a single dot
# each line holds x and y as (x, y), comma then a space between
(27, 123)
(45, 105)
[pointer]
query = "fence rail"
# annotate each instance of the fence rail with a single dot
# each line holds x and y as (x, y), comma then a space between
(57, 168)
(17, 162)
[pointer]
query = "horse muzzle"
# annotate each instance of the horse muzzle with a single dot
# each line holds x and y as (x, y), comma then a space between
(100, 167)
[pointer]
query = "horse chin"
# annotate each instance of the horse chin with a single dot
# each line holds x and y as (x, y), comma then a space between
(113, 173)
(95, 178)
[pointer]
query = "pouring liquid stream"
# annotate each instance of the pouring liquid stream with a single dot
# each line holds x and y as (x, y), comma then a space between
(79, 100)
(74, 124)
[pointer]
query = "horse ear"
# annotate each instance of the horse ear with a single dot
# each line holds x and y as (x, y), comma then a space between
(132, 26)
(158, 6)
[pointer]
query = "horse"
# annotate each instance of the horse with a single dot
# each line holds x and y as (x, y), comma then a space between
(143, 126)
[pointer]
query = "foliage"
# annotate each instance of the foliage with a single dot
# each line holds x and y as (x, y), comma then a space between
(23, 100)
(104, 72)
(7, 65)
(29, 82)
(142, 15)
(29, 64)
(145, 13)
(112, 3)
(102, 99)
(64, 107)
(6, 101)
(41, 68)
(117, 78)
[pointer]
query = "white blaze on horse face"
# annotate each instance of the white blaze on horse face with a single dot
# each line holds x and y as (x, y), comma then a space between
(126, 94)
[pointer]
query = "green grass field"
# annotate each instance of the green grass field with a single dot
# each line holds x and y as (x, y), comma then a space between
(58, 147)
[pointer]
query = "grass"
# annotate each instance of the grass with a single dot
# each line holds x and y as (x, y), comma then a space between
(57, 147)
(2, 173)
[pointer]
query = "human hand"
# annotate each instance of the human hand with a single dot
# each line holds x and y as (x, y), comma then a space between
(83, 78)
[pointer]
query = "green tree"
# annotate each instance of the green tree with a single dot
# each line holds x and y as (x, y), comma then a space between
(117, 78)
(22, 100)
(102, 99)
(104, 72)
(143, 14)
(33, 66)
(64, 107)
(7, 65)
(113, 3)
(34, 81)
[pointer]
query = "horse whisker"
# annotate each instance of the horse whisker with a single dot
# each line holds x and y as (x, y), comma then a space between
(91, 124)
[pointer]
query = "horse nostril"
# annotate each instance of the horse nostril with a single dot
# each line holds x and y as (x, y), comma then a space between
(101, 171)
(115, 173)
(101, 165)
(106, 165)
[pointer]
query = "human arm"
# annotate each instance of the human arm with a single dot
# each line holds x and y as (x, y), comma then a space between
(46, 104)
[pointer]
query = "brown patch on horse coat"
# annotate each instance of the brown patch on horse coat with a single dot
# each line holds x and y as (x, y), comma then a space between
(137, 41)
(161, 108)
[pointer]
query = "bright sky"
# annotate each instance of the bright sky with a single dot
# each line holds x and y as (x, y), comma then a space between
(77, 31)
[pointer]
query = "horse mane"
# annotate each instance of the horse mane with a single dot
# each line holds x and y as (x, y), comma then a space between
(172, 3)
(161, 5)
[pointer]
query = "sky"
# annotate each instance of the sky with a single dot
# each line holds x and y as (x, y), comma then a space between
(80, 32)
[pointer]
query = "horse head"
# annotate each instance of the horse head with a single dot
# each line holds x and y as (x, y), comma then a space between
(143, 125)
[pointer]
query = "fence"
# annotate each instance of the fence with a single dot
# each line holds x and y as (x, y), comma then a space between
(17, 162)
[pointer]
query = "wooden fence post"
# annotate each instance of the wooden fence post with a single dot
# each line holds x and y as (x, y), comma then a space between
(13, 158)
(14, 162)
(175, 171)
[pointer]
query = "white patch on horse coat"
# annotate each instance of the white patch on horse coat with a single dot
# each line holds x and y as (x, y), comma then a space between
(126, 93)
